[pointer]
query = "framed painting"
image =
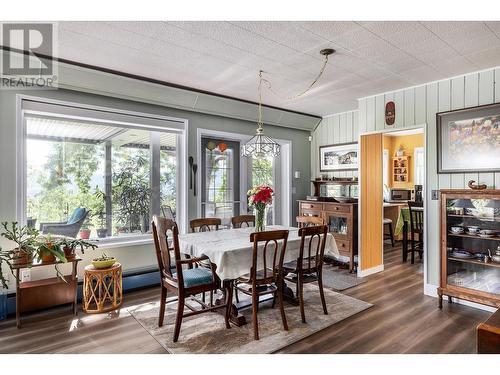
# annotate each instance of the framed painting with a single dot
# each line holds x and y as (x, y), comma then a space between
(339, 157)
(468, 140)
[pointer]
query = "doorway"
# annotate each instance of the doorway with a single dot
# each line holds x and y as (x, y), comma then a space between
(392, 172)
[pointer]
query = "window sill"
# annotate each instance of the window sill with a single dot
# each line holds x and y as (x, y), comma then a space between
(112, 243)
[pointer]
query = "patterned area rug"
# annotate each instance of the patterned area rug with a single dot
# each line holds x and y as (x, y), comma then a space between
(339, 279)
(207, 333)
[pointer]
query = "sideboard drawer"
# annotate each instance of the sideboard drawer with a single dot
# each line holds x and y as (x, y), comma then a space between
(311, 206)
(344, 246)
(337, 208)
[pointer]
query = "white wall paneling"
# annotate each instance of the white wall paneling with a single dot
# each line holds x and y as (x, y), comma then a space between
(335, 129)
(419, 105)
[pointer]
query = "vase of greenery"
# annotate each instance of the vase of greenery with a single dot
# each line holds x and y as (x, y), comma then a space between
(260, 198)
(25, 239)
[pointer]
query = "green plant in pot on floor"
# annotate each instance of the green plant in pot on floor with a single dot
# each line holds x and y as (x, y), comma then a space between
(25, 239)
(100, 212)
(85, 230)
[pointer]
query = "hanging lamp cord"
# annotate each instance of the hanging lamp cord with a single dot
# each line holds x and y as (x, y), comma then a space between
(311, 85)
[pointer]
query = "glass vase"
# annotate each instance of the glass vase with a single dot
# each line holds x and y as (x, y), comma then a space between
(260, 218)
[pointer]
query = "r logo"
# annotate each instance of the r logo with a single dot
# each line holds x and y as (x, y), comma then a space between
(32, 38)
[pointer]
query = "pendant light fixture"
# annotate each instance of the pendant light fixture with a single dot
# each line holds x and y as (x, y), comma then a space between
(260, 145)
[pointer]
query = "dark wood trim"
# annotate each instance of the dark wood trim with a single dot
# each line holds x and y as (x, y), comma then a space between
(439, 140)
(337, 170)
(151, 80)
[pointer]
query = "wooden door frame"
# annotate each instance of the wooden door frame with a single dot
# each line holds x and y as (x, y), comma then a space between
(422, 126)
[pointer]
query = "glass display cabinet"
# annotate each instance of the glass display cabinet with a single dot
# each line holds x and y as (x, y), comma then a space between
(470, 246)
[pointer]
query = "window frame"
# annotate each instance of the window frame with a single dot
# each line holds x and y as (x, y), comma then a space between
(111, 116)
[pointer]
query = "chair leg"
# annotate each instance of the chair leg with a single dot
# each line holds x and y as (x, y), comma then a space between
(282, 304)
(301, 297)
(321, 292)
(211, 298)
(178, 319)
(391, 233)
(163, 301)
(254, 314)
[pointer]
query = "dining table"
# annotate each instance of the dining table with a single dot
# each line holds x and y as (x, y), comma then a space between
(231, 251)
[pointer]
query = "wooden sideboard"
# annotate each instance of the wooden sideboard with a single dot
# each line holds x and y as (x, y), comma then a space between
(342, 220)
(488, 335)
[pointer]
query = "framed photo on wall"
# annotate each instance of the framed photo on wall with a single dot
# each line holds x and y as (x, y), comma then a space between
(339, 157)
(468, 140)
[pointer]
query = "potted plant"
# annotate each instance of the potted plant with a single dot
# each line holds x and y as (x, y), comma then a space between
(85, 230)
(104, 261)
(49, 250)
(25, 239)
(5, 258)
(69, 246)
(100, 213)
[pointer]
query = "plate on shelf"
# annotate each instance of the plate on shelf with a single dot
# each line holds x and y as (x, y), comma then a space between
(461, 254)
(483, 235)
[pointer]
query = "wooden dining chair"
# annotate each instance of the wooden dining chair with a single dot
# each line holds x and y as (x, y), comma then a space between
(183, 276)
(238, 221)
(308, 267)
(265, 274)
(306, 221)
(205, 224)
(416, 228)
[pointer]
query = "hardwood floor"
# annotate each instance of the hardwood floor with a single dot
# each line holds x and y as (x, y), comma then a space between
(402, 320)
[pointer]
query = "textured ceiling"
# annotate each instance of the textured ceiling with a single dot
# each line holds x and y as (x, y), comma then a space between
(225, 57)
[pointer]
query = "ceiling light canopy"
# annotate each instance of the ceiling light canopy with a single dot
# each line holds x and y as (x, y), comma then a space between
(260, 145)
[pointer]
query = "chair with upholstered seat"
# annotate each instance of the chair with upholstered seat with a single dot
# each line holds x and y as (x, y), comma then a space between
(205, 224)
(69, 228)
(264, 277)
(307, 221)
(184, 276)
(239, 221)
(308, 267)
(388, 224)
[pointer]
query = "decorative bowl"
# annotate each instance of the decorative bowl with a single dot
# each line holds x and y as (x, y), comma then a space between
(103, 263)
(457, 229)
(473, 229)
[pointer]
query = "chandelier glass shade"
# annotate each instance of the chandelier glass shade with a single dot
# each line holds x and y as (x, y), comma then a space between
(261, 146)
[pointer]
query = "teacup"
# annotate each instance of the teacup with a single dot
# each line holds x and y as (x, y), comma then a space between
(473, 229)
(457, 229)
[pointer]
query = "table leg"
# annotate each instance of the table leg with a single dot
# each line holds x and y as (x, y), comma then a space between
(234, 317)
(405, 241)
(18, 300)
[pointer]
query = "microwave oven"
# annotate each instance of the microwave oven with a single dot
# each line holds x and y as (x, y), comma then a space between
(400, 194)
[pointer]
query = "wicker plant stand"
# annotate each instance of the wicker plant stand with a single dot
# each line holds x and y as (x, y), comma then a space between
(102, 289)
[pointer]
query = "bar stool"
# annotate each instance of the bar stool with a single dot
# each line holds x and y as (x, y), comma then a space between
(388, 222)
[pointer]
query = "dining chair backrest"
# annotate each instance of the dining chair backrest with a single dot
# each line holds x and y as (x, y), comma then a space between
(166, 255)
(167, 212)
(205, 224)
(306, 221)
(268, 253)
(238, 221)
(416, 217)
(312, 247)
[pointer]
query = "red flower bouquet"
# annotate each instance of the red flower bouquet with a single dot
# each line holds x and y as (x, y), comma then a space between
(259, 198)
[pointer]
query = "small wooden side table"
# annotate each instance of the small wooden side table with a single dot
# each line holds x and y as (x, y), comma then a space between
(40, 294)
(102, 289)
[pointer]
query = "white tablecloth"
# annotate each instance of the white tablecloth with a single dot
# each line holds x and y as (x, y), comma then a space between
(231, 249)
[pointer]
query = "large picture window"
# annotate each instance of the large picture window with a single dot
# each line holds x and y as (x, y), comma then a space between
(97, 180)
